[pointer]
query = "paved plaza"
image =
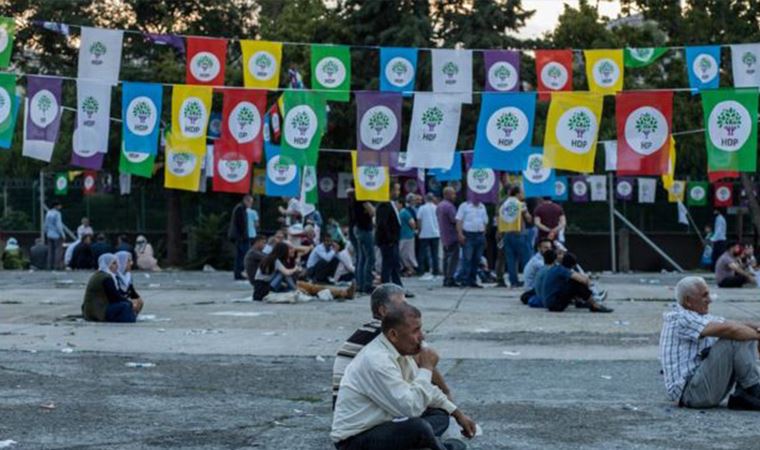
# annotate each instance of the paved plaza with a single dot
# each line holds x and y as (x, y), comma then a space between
(211, 369)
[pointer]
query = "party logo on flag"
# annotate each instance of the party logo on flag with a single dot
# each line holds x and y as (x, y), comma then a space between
(705, 67)
(510, 210)
(432, 117)
(4, 38)
(554, 75)
(89, 183)
(193, 117)
(697, 193)
(379, 127)
(232, 168)
(61, 184)
(330, 72)
(507, 128)
(44, 108)
(262, 65)
(503, 76)
(141, 116)
(606, 72)
(96, 52)
(89, 107)
(181, 163)
(371, 178)
(729, 126)
(399, 71)
(6, 104)
(136, 157)
(480, 181)
(723, 194)
(281, 172)
(309, 178)
(535, 171)
(624, 189)
(576, 129)
(646, 130)
(326, 184)
(580, 188)
(560, 189)
(303, 122)
(244, 122)
(205, 66)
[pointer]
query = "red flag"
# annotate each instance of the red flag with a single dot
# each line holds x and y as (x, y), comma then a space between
(232, 170)
(723, 195)
(89, 184)
(643, 128)
(274, 121)
(554, 71)
(242, 113)
(205, 61)
(717, 176)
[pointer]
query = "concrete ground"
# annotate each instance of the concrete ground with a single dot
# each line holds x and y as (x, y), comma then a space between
(229, 373)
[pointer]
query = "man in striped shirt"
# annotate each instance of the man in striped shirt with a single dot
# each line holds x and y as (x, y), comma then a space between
(704, 357)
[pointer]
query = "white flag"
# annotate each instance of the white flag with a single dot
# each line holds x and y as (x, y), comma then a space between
(344, 183)
(452, 72)
(434, 131)
(125, 183)
(647, 189)
(745, 62)
(610, 155)
(93, 118)
(100, 54)
(682, 212)
(36, 149)
(207, 165)
(598, 187)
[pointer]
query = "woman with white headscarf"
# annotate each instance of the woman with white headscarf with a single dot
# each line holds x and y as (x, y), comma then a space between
(102, 300)
(124, 277)
(144, 252)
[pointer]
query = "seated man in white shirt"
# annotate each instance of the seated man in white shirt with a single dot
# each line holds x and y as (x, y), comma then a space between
(704, 357)
(386, 401)
(323, 260)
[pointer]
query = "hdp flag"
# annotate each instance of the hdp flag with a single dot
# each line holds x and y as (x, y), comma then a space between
(283, 174)
(191, 106)
(331, 71)
(647, 190)
(598, 185)
(482, 183)
(259, 181)
(303, 127)
(309, 191)
(7, 33)
(242, 113)
(571, 131)
(399, 166)
(745, 62)
(413, 185)
(327, 185)
(136, 163)
(100, 54)
(453, 173)
(90, 140)
(703, 66)
(398, 67)
(205, 61)
(183, 164)
(643, 128)
(578, 189)
(42, 119)
(371, 183)
(560, 189)
(434, 130)
(231, 169)
(452, 73)
(8, 107)
(677, 191)
(502, 70)
(554, 71)
(604, 71)
(378, 127)
(505, 131)
(261, 63)
(624, 188)
(61, 183)
(642, 56)
(141, 116)
(538, 181)
(723, 195)
(669, 176)
(731, 129)
(696, 193)
(89, 182)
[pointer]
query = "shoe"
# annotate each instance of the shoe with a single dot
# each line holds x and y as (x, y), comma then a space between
(600, 308)
(742, 401)
(408, 294)
(582, 304)
(427, 277)
(351, 291)
(455, 444)
(475, 286)
(601, 296)
(501, 284)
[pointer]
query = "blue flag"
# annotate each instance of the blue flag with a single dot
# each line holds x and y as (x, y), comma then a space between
(454, 173)
(505, 131)
(703, 67)
(283, 178)
(141, 112)
(538, 181)
(560, 189)
(7, 141)
(398, 67)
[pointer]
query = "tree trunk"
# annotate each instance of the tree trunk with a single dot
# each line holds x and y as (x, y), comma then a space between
(754, 206)
(175, 254)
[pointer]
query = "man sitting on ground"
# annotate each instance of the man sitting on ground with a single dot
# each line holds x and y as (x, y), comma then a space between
(323, 261)
(729, 272)
(386, 401)
(550, 259)
(704, 357)
(535, 263)
(562, 286)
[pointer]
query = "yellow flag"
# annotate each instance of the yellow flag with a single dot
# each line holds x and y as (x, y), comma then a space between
(259, 181)
(261, 64)
(604, 70)
(667, 179)
(571, 131)
(191, 106)
(182, 169)
(676, 191)
(371, 182)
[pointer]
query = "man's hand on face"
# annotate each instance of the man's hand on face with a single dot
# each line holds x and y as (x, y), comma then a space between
(467, 424)
(427, 358)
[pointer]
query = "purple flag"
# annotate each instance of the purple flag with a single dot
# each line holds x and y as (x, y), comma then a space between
(93, 162)
(398, 166)
(378, 127)
(502, 70)
(482, 183)
(56, 27)
(43, 116)
(624, 188)
(167, 39)
(327, 185)
(578, 189)
(413, 185)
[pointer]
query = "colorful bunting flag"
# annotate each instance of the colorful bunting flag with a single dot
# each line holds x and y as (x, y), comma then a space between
(697, 193)
(723, 196)
(206, 58)
(453, 173)
(182, 168)
(90, 139)
(677, 191)
(331, 71)
(61, 183)
(703, 66)
(7, 34)
(309, 191)
(537, 180)
(412, 185)
(643, 128)
(434, 130)
(610, 155)
(327, 185)
(283, 174)
(505, 131)
(642, 56)
(669, 176)
(482, 183)
(561, 189)
(452, 73)
(398, 67)
(141, 116)
(100, 54)
(731, 129)
(372, 182)
(554, 71)
(242, 112)
(604, 71)
(400, 168)
(172, 40)
(190, 112)
(502, 70)
(261, 64)
(647, 190)
(624, 188)
(42, 120)
(579, 189)
(745, 62)
(259, 181)
(378, 131)
(345, 182)
(598, 184)
(231, 169)
(89, 182)
(303, 127)
(8, 107)
(136, 163)
(571, 131)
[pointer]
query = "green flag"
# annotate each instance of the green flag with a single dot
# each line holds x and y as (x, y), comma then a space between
(309, 185)
(140, 164)
(302, 126)
(7, 31)
(61, 183)
(331, 70)
(730, 129)
(696, 193)
(642, 56)
(8, 108)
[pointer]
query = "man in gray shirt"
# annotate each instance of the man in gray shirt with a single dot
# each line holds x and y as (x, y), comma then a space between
(53, 228)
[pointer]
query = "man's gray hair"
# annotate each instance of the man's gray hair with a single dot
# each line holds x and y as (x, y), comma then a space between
(382, 296)
(410, 198)
(688, 287)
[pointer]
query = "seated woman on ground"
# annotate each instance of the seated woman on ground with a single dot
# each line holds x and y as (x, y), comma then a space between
(124, 278)
(144, 252)
(273, 274)
(102, 301)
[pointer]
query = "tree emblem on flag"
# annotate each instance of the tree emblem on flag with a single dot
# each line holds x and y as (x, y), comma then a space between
(281, 168)
(193, 112)
(2, 102)
(511, 210)
(580, 123)
(749, 59)
(643, 53)
(507, 123)
(399, 68)
(432, 117)
(97, 49)
(450, 69)
(44, 104)
(646, 124)
(503, 73)
(233, 167)
(379, 121)
(142, 111)
(245, 117)
(606, 69)
(204, 63)
(480, 175)
(330, 68)
(554, 72)
(705, 64)
(730, 120)
(301, 122)
(535, 165)
(371, 172)
(263, 61)
(180, 159)
(90, 106)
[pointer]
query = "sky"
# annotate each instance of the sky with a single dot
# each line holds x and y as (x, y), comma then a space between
(548, 11)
